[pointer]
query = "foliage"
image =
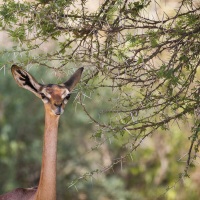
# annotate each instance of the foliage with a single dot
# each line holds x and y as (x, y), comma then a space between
(141, 71)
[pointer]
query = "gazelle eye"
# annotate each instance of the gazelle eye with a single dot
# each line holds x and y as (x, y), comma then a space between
(44, 98)
(43, 95)
(68, 96)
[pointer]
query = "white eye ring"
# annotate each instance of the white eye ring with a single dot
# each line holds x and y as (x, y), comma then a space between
(65, 101)
(45, 100)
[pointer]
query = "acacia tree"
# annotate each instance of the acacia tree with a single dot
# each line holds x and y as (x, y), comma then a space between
(147, 61)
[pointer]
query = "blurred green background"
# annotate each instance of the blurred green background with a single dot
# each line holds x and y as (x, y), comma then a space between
(151, 172)
(147, 174)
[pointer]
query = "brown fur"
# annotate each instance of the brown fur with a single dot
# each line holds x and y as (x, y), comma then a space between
(54, 98)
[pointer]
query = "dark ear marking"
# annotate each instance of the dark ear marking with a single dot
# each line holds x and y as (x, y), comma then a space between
(26, 80)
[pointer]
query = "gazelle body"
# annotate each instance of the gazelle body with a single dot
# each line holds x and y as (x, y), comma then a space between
(54, 97)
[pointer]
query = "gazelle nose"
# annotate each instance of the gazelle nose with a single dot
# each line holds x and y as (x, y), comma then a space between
(58, 110)
(58, 104)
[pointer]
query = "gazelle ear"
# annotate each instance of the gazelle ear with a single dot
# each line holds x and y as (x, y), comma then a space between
(25, 80)
(74, 79)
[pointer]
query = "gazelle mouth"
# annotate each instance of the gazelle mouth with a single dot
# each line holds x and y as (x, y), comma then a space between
(58, 111)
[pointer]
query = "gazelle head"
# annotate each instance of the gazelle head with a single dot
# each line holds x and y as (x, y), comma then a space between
(55, 97)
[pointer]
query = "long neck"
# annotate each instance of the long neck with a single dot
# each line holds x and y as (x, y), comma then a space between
(47, 184)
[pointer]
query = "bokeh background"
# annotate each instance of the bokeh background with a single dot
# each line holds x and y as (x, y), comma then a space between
(151, 172)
